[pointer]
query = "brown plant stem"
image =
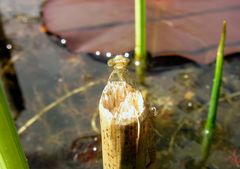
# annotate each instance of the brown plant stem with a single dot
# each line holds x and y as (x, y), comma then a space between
(125, 127)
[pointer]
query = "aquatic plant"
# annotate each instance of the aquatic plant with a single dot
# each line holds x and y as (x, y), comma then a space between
(11, 152)
(111, 29)
(212, 111)
(140, 38)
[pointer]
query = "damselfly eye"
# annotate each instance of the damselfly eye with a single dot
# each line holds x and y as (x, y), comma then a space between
(110, 63)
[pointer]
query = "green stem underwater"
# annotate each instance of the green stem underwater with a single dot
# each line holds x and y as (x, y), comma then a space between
(212, 111)
(140, 38)
(11, 152)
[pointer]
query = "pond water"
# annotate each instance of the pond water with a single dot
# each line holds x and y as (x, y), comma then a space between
(37, 72)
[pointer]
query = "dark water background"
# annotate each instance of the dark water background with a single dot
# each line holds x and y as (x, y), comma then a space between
(36, 72)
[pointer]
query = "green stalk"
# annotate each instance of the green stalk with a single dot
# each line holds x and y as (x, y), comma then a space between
(140, 38)
(11, 152)
(212, 111)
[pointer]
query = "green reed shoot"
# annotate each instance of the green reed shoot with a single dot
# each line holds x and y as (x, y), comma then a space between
(212, 111)
(140, 39)
(11, 152)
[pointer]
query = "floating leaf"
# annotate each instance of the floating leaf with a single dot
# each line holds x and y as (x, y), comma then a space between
(187, 28)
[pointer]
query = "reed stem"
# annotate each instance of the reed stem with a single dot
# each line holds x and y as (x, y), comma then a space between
(140, 38)
(126, 129)
(212, 111)
(11, 152)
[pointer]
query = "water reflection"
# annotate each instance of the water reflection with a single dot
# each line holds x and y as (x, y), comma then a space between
(9, 75)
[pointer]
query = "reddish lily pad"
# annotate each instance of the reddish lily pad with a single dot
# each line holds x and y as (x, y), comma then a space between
(187, 28)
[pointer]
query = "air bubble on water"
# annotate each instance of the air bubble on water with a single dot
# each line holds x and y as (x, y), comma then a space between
(98, 53)
(94, 148)
(63, 41)
(108, 54)
(126, 55)
(9, 46)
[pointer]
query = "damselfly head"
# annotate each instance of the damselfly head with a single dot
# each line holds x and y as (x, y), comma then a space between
(118, 62)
